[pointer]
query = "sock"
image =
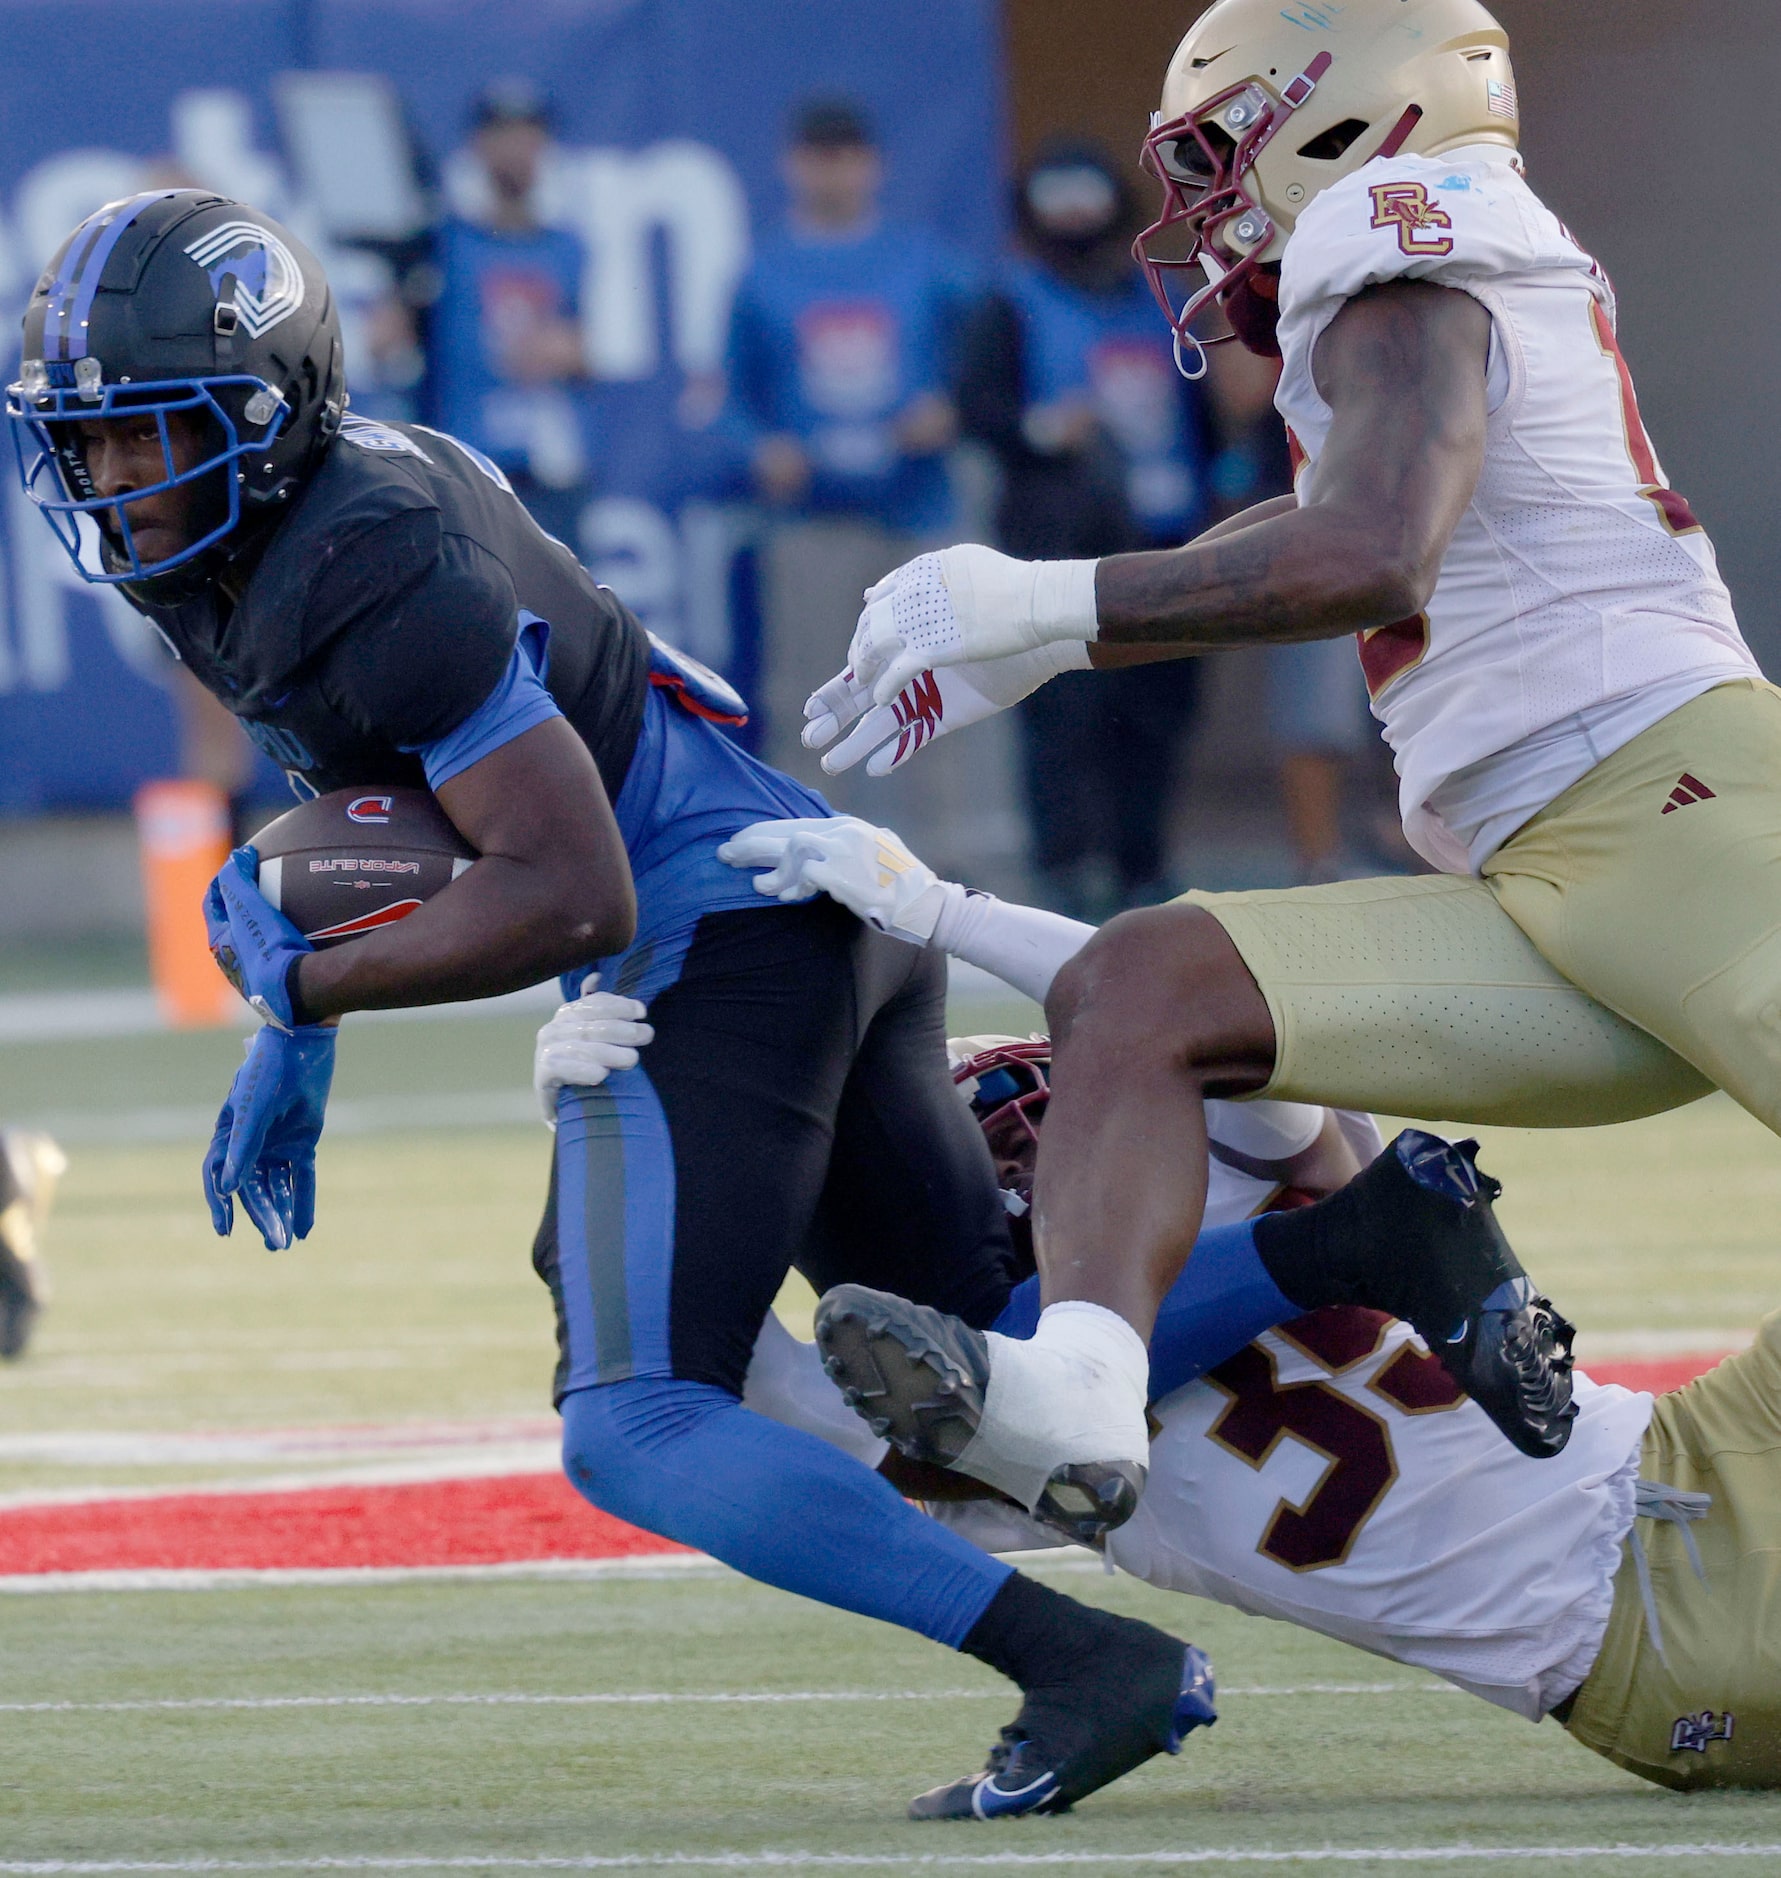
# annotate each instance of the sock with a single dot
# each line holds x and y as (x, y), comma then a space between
(1224, 1298)
(1412, 1235)
(688, 1461)
(1029, 1633)
(1088, 1675)
(1095, 1334)
(1308, 1251)
(1073, 1391)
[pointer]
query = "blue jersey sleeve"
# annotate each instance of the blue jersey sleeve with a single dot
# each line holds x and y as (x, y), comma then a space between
(518, 702)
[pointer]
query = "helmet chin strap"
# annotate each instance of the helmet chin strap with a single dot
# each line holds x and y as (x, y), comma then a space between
(1214, 271)
(1203, 363)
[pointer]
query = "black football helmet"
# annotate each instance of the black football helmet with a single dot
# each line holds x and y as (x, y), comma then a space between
(176, 301)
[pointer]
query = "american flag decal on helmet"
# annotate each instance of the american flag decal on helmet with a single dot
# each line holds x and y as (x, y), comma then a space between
(1499, 98)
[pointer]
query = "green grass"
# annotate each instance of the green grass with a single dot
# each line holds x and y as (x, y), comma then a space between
(1415, 1768)
(108, 959)
(414, 1299)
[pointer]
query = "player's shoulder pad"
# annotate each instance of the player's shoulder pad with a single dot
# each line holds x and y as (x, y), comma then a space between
(1464, 218)
(358, 533)
(358, 492)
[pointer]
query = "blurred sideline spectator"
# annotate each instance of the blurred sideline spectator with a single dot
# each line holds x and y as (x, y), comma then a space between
(505, 351)
(1317, 699)
(1068, 379)
(30, 1167)
(840, 358)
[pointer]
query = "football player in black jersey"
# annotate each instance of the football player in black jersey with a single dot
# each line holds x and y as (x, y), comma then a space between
(375, 607)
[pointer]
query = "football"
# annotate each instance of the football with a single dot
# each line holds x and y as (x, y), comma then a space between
(357, 859)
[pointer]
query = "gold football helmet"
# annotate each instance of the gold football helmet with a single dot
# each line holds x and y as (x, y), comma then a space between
(1265, 105)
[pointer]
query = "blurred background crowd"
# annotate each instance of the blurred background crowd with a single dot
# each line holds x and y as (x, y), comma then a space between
(753, 304)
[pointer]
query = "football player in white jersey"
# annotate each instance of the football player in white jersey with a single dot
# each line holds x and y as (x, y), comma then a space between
(1586, 745)
(1331, 1475)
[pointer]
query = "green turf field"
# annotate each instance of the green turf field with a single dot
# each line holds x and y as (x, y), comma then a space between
(414, 1300)
(879, 1715)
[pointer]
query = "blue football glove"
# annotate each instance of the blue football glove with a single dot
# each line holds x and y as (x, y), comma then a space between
(264, 1146)
(253, 943)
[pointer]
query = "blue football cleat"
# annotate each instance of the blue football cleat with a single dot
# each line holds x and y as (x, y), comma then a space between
(1024, 1776)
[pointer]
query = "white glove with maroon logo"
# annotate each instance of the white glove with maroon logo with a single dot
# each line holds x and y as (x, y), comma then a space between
(929, 706)
(965, 606)
(867, 870)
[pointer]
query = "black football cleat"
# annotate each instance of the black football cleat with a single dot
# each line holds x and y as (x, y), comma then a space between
(1160, 1689)
(918, 1378)
(1443, 1265)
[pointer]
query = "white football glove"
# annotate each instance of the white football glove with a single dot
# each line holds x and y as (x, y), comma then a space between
(868, 870)
(932, 704)
(585, 1042)
(964, 606)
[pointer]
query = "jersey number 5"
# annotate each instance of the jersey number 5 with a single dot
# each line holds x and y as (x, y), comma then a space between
(1354, 1441)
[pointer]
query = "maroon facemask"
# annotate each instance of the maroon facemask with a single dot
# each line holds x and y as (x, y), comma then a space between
(1204, 160)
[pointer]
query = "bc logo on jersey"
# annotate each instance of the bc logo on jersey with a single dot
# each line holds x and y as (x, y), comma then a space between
(1419, 219)
(268, 281)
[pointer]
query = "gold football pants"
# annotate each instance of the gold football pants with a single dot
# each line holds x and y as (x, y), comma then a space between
(1705, 1710)
(1621, 956)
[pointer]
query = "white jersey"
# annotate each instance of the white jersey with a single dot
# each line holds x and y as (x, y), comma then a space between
(1330, 1475)
(1240, 1134)
(1576, 579)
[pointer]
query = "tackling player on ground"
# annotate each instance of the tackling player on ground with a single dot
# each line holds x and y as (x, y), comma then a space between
(1330, 1474)
(1586, 745)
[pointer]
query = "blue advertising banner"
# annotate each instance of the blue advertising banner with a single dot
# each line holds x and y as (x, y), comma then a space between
(669, 116)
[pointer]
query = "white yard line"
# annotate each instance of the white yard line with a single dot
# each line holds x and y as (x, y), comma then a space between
(645, 1565)
(528, 1458)
(133, 1011)
(648, 1698)
(636, 1565)
(350, 1115)
(1651, 1346)
(84, 1447)
(925, 1861)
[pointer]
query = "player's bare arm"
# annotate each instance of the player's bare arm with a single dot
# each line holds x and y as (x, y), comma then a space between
(1403, 369)
(954, 637)
(551, 889)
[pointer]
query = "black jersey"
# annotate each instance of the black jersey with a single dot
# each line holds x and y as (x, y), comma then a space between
(384, 611)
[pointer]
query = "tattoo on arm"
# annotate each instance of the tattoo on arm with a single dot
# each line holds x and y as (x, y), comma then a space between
(1402, 368)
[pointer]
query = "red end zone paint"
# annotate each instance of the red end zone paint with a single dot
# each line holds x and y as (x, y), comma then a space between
(448, 1522)
(516, 1519)
(1658, 1375)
